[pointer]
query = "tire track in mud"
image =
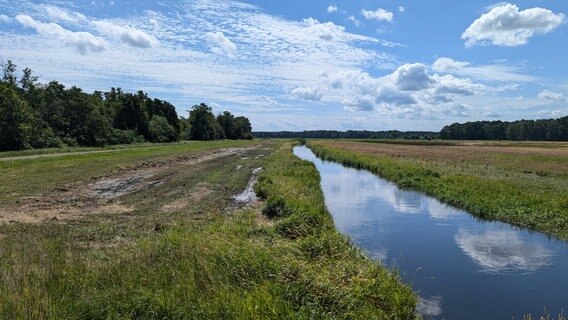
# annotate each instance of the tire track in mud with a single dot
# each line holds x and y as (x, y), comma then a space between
(99, 194)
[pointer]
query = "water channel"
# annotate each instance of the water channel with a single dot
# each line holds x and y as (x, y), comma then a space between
(461, 267)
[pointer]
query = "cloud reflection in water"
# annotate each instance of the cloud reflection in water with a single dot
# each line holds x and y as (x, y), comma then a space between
(498, 251)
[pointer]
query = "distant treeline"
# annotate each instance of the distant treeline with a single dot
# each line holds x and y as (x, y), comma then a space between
(350, 134)
(535, 130)
(35, 115)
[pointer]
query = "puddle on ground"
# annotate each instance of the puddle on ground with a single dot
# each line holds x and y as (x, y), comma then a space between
(248, 195)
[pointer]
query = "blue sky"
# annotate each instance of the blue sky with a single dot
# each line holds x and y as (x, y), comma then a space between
(300, 65)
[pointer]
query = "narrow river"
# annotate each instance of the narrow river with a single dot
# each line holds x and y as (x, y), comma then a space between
(461, 267)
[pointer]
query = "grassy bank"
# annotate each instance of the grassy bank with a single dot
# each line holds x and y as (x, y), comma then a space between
(335, 276)
(525, 185)
(172, 250)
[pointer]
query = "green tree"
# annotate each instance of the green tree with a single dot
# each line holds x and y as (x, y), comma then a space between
(202, 123)
(161, 130)
(243, 128)
(15, 119)
(9, 73)
(132, 115)
(226, 123)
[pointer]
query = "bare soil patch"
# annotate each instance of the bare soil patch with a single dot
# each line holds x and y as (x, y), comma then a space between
(102, 194)
(195, 195)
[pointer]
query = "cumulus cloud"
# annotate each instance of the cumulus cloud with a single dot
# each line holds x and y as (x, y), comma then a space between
(380, 15)
(5, 19)
(221, 45)
(409, 91)
(127, 34)
(387, 96)
(332, 8)
(312, 93)
(449, 65)
(360, 103)
(401, 9)
(325, 31)
(552, 96)
(455, 110)
(506, 25)
(84, 42)
(411, 77)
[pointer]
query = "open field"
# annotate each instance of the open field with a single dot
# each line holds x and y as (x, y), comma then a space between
(525, 184)
(153, 232)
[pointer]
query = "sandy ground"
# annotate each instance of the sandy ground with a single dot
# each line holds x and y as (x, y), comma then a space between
(100, 194)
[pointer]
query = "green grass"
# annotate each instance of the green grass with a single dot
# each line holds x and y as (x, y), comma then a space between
(343, 278)
(195, 262)
(528, 190)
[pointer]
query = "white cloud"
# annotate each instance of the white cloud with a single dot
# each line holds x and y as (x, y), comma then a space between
(380, 15)
(5, 19)
(360, 103)
(127, 34)
(407, 92)
(552, 96)
(313, 93)
(449, 65)
(455, 110)
(494, 72)
(222, 45)
(401, 9)
(449, 84)
(548, 114)
(325, 31)
(355, 21)
(411, 77)
(332, 8)
(84, 42)
(506, 25)
(59, 14)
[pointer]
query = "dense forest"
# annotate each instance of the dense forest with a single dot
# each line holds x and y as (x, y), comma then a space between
(350, 134)
(35, 115)
(536, 130)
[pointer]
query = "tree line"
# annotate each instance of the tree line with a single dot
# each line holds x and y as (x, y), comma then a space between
(535, 130)
(350, 134)
(36, 115)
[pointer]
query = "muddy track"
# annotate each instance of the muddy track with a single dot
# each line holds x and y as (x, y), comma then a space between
(101, 194)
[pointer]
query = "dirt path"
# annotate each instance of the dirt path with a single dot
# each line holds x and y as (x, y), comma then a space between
(56, 155)
(99, 194)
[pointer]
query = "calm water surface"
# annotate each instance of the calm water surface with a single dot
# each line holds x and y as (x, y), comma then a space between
(462, 267)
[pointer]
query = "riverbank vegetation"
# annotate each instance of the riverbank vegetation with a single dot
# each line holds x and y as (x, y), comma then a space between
(36, 115)
(337, 277)
(522, 184)
(152, 232)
